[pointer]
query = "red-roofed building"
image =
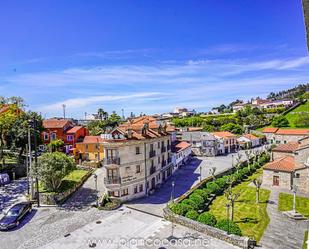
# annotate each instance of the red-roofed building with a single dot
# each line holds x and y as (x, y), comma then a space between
(62, 129)
(90, 149)
(290, 166)
(247, 141)
(277, 136)
(181, 153)
(229, 140)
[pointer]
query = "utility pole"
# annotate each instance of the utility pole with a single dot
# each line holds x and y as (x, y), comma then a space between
(36, 161)
(63, 106)
(122, 111)
(30, 162)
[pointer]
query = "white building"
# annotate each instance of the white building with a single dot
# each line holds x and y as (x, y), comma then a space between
(181, 153)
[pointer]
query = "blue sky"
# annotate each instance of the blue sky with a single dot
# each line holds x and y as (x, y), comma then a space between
(148, 56)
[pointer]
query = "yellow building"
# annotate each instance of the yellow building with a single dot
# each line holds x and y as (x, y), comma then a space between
(90, 149)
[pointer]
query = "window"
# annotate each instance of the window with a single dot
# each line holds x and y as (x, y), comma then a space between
(113, 193)
(87, 147)
(141, 188)
(46, 136)
(124, 192)
(284, 142)
(159, 160)
(137, 150)
(135, 189)
(158, 145)
(297, 175)
(53, 136)
(138, 169)
(70, 137)
(128, 169)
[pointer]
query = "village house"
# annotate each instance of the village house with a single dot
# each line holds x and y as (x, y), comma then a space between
(181, 153)
(229, 140)
(137, 158)
(203, 143)
(247, 141)
(62, 129)
(90, 149)
(279, 135)
(290, 166)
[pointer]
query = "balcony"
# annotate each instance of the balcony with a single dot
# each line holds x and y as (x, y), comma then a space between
(152, 170)
(112, 160)
(163, 149)
(169, 160)
(152, 153)
(112, 180)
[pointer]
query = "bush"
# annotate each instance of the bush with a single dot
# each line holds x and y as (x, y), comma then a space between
(213, 188)
(192, 214)
(280, 121)
(203, 193)
(229, 226)
(221, 182)
(207, 218)
(181, 208)
(244, 172)
(199, 200)
(191, 203)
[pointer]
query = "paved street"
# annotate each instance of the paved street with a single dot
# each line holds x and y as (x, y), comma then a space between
(131, 229)
(12, 193)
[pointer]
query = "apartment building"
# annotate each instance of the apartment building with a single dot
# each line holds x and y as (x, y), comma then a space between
(228, 139)
(137, 158)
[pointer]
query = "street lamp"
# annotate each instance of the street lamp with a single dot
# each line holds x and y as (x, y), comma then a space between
(172, 192)
(294, 198)
(96, 188)
(228, 217)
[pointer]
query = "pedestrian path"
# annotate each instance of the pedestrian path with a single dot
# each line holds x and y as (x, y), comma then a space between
(282, 232)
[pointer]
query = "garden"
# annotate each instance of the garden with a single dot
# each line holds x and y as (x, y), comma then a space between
(228, 203)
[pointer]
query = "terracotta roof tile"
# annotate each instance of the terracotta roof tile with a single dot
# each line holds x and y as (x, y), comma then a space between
(286, 164)
(93, 140)
(289, 147)
(269, 130)
(250, 136)
(55, 123)
(224, 134)
(75, 129)
(180, 146)
(292, 132)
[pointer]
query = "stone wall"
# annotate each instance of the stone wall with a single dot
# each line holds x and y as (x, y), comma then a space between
(288, 138)
(284, 178)
(242, 242)
(303, 180)
(277, 155)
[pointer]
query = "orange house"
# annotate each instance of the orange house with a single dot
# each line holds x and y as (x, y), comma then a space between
(91, 149)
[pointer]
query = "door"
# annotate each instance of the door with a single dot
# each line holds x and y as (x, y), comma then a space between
(276, 180)
(153, 183)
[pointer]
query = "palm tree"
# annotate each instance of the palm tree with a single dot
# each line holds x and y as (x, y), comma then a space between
(102, 114)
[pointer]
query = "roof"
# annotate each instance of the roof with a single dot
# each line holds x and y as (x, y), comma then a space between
(286, 164)
(224, 134)
(180, 146)
(293, 132)
(75, 129)
(195, 128)
(197, 136)
(93, 139)
(55, 123)
(250, 136)
(289, 147)
(269, 130)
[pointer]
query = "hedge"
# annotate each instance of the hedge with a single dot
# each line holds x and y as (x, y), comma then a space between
(207, 218)
(192, 214)
(229, 226)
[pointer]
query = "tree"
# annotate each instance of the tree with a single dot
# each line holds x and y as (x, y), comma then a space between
(257, 182)
(234, 128)
(302, 120)
(212, 171)
(231, 197)
(103, 115)
(280, 121)
(55, 145)
(52, 168)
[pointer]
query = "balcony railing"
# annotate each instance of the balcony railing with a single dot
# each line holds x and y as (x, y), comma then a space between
(152, 153)
(163, 149)
(112, 180)
(112, 160)
(152, 170)
(163, 163)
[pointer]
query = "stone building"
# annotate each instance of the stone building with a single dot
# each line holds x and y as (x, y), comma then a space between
(203, 143)
(283, 136)
(290, 166)
(137, 159)
(228, 139)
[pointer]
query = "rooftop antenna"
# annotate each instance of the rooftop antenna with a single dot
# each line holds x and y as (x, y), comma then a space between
(63, 106)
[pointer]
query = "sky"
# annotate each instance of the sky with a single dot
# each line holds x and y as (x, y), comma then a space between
(148, 56)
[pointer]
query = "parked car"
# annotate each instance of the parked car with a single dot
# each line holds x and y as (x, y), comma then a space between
(14, 215)
(4, 179)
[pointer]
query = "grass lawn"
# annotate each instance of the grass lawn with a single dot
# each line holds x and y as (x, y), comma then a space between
(305, 240)
(294, 114)
(69, 181)
(286, 204)
(252, 218)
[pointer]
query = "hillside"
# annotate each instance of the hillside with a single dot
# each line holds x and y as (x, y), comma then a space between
(299, 117)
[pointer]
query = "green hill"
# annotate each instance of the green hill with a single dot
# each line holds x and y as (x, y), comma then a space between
(299, 117)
